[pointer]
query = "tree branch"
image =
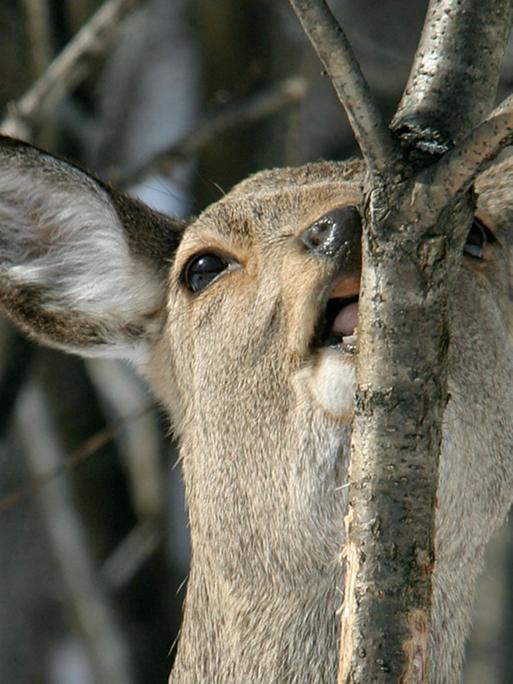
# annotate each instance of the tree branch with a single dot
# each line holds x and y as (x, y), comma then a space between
(38, 27)
(457, 170)
(13, 371)
(336, 54)
(67, 70)
(141, 444)
(261, 105)
(411, 257)
(453, 81)
(132, 552)
(89, 448)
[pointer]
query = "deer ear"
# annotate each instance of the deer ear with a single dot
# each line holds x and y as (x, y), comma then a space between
(82, 267)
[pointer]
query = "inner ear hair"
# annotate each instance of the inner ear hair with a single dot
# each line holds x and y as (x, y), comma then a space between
(83, 266)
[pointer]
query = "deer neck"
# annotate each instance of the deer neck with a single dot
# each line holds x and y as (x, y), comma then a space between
(230, 636)
(266, 526)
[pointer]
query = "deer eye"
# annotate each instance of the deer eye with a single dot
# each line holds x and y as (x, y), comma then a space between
(201, 270)
(478, 237)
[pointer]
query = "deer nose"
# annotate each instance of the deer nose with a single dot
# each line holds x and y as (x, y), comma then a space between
(335, 233)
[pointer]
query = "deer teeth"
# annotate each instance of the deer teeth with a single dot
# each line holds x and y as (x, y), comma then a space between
(350, 339)
(349, 342)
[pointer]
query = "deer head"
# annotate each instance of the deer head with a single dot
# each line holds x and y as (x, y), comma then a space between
(244, 321)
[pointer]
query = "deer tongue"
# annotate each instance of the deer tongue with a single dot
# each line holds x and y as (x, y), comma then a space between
(346, 320)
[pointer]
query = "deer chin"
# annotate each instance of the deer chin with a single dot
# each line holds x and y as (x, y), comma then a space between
(332, 382)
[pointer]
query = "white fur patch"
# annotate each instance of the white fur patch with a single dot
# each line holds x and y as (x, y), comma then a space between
(59, 232)
(332, 383)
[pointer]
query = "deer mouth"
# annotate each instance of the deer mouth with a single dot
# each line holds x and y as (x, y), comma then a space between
(337, 325)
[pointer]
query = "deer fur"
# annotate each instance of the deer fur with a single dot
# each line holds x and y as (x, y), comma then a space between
(263, 418)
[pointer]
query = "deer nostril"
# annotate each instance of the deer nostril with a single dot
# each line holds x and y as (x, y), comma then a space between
(317, 233)
(326, 236)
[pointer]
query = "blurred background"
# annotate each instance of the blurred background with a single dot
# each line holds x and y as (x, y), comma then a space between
(175, 102)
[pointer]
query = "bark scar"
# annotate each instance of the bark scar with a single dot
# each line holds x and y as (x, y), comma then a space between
(415, 648)
(348, 609)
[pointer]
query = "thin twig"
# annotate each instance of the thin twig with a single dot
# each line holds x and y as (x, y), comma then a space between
(261, 105)
(88, 449)
(67, 70)
(336, 54)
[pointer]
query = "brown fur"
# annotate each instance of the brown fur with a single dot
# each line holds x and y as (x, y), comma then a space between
(265, 454)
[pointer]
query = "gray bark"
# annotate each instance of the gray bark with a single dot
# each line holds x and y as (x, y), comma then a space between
(412, 243)
(454, 77)
(400, 400)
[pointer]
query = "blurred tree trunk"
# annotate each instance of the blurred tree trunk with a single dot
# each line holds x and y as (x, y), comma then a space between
(235, 64)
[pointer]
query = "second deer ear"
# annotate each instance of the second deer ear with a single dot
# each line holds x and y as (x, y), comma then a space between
(82, 267)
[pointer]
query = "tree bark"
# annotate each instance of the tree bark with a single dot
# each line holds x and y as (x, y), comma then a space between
(412, 242)
(455, 74)
(400, 400)
(416, 213)
(352, 90)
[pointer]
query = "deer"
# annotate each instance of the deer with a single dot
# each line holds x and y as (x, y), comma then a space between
(244, 321)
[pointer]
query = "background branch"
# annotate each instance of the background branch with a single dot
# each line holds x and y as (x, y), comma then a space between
(15, 367)
(126, 396)
(87, 598)
(90, 447)
(38, 27)
(285, 93)
(131, 554)
(67, 70)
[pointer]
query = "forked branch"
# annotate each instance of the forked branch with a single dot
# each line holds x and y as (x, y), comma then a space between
(335, 52)
(412, 245)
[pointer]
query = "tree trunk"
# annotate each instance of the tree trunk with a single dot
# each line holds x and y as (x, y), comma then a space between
(417, 211)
